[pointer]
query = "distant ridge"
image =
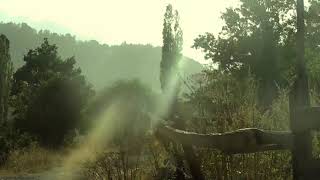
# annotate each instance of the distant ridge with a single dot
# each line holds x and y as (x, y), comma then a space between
(102, 64)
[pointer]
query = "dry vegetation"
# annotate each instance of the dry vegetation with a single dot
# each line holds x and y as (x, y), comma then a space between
(32, 159)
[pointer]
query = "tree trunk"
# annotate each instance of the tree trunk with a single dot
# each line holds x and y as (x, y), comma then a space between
(5, 76)
(299, 98)
(189, 154)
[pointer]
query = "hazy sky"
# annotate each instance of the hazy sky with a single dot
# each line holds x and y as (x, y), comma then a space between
(116, 21)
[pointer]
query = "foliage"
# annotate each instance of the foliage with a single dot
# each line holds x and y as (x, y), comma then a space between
(259, 37)
(312, 44)
(254, 54)
(219, 96)
(171, 50)
(221, 104)
(32, 159)
(121, 164)
(114, 165)
(11, 139)
(48, 94)
(171, 83)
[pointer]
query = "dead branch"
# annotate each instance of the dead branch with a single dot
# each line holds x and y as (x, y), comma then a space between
(246, 140)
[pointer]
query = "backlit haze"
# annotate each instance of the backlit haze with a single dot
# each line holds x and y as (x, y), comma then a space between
(117, 21)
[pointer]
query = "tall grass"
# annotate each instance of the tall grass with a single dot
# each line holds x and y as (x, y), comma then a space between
(32, 159)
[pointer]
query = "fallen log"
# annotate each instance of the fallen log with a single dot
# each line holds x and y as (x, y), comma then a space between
(248, 140)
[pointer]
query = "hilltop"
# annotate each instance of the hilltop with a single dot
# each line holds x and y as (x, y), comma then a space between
(102, 64)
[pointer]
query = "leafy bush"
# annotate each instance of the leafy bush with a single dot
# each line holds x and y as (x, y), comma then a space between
(48, 95)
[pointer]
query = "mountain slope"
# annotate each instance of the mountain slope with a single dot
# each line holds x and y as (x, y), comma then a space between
(102, 64)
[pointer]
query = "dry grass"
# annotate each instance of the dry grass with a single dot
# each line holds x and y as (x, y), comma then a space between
(32, 159)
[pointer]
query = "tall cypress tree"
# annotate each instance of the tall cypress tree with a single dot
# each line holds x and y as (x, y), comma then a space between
(5, 76)
(171, 56)
(171, 49)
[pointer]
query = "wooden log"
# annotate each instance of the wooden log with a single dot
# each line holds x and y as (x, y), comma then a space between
(247, 140)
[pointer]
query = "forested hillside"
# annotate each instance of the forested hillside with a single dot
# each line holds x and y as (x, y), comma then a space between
(252, 115)
(102, 64)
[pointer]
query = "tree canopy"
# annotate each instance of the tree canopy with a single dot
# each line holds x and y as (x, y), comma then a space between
(258, 38)
(49, 94)
(171, 50)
